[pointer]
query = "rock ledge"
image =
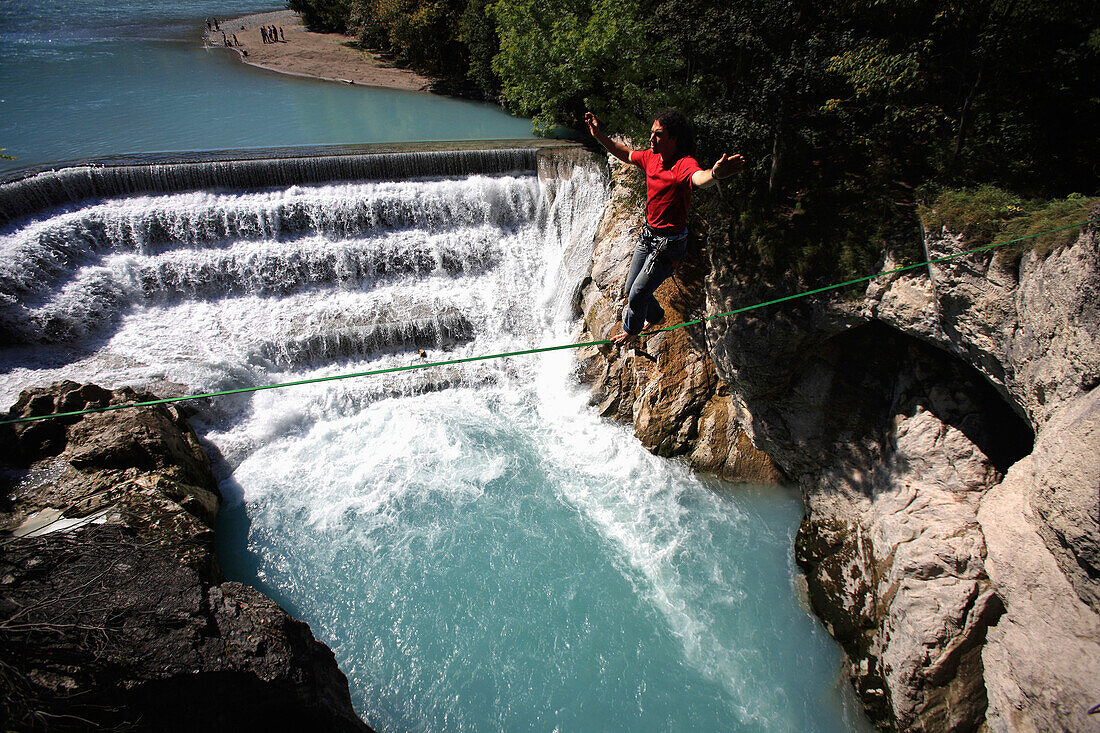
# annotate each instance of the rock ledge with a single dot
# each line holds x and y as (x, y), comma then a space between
(113, 612)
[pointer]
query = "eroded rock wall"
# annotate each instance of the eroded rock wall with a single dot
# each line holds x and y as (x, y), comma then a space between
(899, 413)
(904, 569)
(988, 351)
(1042, 659)
(890, 440)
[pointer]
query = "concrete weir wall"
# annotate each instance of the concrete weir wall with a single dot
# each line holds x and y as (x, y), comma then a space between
(27, 192)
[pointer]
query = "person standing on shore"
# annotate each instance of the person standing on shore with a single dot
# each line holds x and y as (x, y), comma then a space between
(671, 173)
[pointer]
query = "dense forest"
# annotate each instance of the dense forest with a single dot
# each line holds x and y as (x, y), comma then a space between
(856, 116)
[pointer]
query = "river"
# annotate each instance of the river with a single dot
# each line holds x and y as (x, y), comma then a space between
(478, 547)
(85, 80)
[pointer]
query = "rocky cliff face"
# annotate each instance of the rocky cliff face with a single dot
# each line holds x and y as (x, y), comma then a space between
(668, 387)
(943, 430)
(113, 612)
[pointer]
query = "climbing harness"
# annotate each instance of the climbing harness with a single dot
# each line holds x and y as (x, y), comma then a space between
(657, 244)
(541, 349)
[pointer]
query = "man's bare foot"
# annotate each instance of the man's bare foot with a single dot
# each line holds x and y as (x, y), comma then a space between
(621, 338)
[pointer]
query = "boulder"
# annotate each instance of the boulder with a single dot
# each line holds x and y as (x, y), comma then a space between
(113, 612)
(107, 629)
(143, 468)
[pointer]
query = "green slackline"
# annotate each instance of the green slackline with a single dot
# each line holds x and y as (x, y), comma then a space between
(540, 349)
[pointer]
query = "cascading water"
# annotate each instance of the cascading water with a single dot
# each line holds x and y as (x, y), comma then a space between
(480, 550)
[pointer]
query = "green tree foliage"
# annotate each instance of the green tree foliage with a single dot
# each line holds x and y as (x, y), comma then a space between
(323, 15)
(477, 30)
(850, 112)
(755, 80)
(422, 34)
(956, 92)
(559, 58)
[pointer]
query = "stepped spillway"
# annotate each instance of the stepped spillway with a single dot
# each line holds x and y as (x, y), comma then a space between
(74, 273)
(25, 193)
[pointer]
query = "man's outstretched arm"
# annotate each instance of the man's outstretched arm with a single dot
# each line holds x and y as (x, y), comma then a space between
(619, 150)
(725, 167)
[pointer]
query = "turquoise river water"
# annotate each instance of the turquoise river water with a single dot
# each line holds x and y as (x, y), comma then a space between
(481, 551)
(81, 80)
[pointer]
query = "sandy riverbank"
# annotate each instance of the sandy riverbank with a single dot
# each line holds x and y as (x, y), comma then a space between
(325, 56)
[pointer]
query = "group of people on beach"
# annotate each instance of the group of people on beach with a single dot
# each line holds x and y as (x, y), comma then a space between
(271, 34)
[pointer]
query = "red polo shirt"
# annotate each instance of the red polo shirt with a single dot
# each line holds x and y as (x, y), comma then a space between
(667, 190)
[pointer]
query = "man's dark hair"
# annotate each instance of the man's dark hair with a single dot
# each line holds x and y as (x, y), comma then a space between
(679, 127)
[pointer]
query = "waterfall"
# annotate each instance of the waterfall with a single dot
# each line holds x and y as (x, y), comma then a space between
(66, 277)
(74, 183)
(218, 288)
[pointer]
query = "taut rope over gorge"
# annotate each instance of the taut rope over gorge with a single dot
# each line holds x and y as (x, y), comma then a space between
(543, 349)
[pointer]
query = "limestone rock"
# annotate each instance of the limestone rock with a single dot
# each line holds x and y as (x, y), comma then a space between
(906, 302)
(891, 545)
(895, 434)
(723, 448)
(1042, 659)
(113, 632)
(1065, 495)
(926, 548)
(1031, 326)
(140, 467)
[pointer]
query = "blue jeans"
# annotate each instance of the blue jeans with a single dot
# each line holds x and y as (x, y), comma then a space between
(655, 258)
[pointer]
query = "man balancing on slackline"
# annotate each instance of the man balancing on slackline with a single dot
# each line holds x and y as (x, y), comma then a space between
(670, 174)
